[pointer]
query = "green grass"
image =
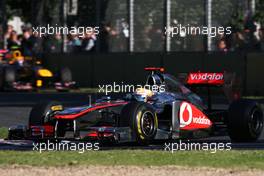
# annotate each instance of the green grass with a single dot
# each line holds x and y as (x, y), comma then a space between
(254, 97)
(221, 159)
(3, 132)
(227, 159)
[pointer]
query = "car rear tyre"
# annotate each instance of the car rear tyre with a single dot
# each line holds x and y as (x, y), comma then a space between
(2, 81)
(142, 120)
(65, 75)
(10, 75)
(245, 121)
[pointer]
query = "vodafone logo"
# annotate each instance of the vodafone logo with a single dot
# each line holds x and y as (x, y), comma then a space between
(205, 78)
(191, 117)
(185, 114)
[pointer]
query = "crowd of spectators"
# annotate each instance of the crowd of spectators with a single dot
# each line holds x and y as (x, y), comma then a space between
(32, 43)
(249, 39)
(111, 39)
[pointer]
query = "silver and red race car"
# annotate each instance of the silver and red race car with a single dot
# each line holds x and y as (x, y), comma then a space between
(173, 112)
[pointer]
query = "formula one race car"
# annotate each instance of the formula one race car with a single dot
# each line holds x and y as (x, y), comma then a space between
(18, 72)
(172, 111)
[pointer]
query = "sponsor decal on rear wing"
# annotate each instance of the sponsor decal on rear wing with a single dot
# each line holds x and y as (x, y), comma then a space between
(205, 78)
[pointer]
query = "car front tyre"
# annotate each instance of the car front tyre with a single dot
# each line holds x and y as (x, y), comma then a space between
(142, 120)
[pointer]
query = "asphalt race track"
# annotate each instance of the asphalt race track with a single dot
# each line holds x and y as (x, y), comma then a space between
(15, 109)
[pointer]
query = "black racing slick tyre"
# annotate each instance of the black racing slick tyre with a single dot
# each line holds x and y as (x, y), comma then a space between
(142, 120)
(245, 121)
(41, 112)
(2, 80)
(65, 75)
(10, 75)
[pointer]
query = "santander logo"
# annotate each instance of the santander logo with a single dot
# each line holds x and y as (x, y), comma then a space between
(192, 118)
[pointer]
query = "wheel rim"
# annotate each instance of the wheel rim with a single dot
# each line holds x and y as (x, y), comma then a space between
(256, 121)
(147, 123)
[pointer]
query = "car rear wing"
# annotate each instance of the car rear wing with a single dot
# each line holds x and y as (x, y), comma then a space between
(229, 82)
(208, 79)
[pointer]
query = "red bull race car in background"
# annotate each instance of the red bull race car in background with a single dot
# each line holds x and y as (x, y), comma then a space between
(145, 116)
(19, 72)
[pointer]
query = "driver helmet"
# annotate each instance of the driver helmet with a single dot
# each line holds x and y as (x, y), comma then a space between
(144, 93)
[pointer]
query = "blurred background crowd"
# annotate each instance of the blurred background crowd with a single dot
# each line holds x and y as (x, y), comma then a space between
(246, 17)
(32, 43)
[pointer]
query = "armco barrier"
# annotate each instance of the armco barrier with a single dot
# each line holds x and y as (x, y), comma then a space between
(183, 62)
(255, 74)
(91, 70)
(121, 67)
(80, 64)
